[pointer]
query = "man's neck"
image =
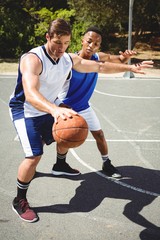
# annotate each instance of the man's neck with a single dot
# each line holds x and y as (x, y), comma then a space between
(51, 54)
(83, 55)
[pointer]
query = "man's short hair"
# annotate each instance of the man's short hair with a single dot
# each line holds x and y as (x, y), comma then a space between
(59, 27)
(93, 29)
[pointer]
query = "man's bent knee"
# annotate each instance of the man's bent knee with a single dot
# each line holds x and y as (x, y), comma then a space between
(98, 134)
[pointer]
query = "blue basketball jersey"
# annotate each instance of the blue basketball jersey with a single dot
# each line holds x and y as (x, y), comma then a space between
(79, 88)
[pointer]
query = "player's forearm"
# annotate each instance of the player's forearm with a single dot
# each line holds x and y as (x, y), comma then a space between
(116, 68)
(39, 102)
(107, 67)
(117, 59)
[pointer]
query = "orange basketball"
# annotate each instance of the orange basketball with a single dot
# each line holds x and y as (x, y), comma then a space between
(71, 132)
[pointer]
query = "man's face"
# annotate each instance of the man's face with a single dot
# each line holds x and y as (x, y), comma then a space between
(91, 43)
(57, 45)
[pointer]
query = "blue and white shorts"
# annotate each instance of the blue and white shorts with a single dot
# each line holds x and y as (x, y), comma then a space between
(34, 132)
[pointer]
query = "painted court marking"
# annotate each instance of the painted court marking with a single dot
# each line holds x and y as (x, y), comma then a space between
(3, 101)
(131, 141)
(127, 140)
(122, 96)
(111, 140)
(111, 179)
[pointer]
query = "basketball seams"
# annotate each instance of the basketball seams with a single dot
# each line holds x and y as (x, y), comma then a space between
(71, 132)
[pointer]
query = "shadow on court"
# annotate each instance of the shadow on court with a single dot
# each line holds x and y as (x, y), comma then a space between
(94, 189)
(89, 206)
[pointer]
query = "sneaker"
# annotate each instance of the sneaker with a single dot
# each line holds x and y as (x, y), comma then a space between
(110, 170)
(23, 210)
(64, 169)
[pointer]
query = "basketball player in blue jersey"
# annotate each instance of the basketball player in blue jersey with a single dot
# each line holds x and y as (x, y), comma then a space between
(79, 88)
(34, 105)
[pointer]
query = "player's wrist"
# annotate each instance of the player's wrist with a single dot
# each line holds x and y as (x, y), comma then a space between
(123, 59)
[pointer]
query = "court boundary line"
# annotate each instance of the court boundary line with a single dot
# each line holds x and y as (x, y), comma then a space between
(73, 152)
(128, 140)
(122, 96)
(114, 140)
(96, 171)
(115, 78)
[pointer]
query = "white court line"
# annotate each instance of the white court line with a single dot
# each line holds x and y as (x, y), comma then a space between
(115, 78)
(127, 140)
(112, 179)
(121, 96)
(7, 76)
(125, 136)
(3, 101)
(120, 140)
(114, 140)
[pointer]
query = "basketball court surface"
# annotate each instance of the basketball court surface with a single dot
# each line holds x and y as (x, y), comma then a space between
(92, 206)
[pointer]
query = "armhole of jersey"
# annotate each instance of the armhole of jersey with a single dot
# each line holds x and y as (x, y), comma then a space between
(71, 59)
(97, 55)
(69, 75)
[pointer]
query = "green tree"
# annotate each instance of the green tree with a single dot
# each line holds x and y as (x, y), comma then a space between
(112, 17)
(43, 18)
(146, 18)
(20, 28)
(103, 13)
(25, 26)
(15, 29)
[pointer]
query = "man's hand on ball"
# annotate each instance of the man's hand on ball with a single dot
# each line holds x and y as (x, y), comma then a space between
(63, 113)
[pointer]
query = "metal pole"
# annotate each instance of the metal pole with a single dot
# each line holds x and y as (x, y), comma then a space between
(130, 74)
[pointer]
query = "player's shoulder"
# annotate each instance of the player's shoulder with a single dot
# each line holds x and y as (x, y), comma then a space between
(75, 58)
(73, 55)
(37, 49)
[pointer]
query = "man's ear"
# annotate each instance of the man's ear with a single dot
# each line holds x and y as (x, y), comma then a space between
(82, 40)
(47, 36)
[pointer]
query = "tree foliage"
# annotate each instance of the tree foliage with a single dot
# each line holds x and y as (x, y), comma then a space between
(26, 25)
(43, 18)
(16, 28)
(112, 17)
